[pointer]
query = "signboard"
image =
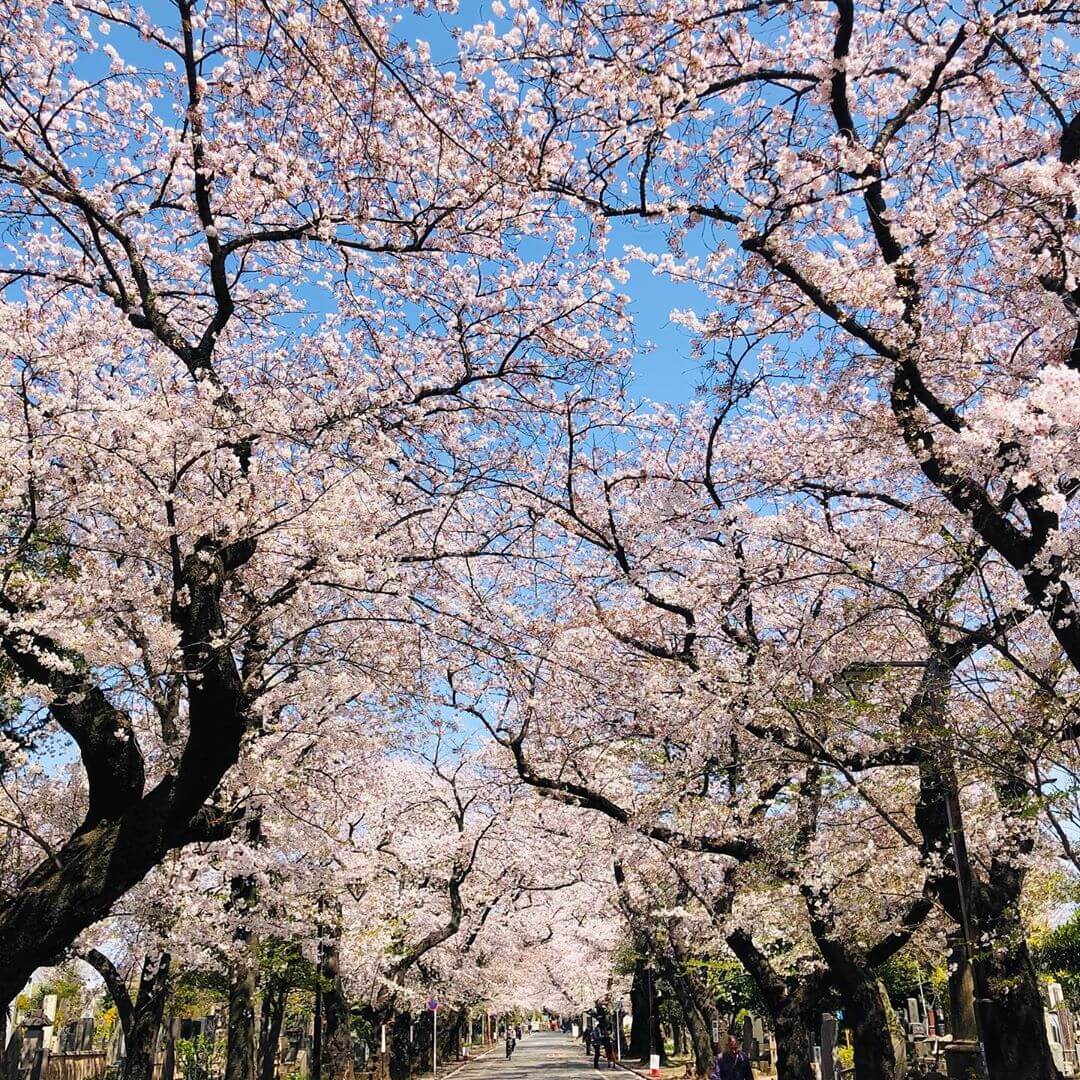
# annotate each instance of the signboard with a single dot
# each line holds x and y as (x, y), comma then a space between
(432, 1005)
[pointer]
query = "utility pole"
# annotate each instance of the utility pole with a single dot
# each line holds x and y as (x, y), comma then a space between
(954, 814)
(654, 1057)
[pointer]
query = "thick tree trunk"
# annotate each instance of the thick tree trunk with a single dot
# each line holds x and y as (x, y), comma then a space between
(317, 1033)
(240, 1042)
(878, 1054)
(793, 1032)
(141, 1035)
(866, 1010)
(337, 1029)
(639, 1014)
(127, 830)
(400, 1063)
(1011, 1013)
(272, 1016)
(1013, 1024)
(703, 1012)
(793, 1008)
(697, 1026)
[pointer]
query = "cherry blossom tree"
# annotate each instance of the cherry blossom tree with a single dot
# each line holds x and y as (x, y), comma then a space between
(276, 305)
(740, 647)
(871, 196)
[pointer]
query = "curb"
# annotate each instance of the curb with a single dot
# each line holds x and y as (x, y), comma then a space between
(460, 1065)
(472, 1060)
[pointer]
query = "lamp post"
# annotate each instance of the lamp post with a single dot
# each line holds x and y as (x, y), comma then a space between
(960, 1065)
(618, 1030)
(433, 1005)
(654, 1056)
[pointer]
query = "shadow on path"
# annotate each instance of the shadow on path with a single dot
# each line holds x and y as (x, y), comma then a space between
(543, 1055)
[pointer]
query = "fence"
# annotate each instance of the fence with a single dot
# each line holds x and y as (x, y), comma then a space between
(85, 1065)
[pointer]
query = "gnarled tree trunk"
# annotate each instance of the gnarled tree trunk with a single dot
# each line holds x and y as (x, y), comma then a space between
(271, 1018)
(337, 1031)
(127, 830)
(140, 1019)
(793, 1005)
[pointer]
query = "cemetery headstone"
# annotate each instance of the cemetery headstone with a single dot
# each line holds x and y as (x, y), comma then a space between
(828, 1046)
(84, 1034)
(114, 1051)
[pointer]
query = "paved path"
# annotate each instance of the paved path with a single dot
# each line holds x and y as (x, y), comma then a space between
(543, 1055)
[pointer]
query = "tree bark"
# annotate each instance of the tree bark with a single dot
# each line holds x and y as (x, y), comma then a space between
(866, 1010)
(793, 1006)
(337, 1029)
(677, 1046)
(1013, 1023)
(126, 831)
(317, 1032)
(639, 1014)
(272, 1017)
(400, 1048)
(145, 1019)
(697, 1026)
(1011, 1019)
(240, 1041)
(240, 1044)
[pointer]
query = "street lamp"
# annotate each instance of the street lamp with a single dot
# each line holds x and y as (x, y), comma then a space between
(618, 1030)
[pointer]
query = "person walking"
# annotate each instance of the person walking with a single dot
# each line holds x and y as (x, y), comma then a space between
(601, 1041)
(587, 1036)
(511, 1042)
(732, 1063)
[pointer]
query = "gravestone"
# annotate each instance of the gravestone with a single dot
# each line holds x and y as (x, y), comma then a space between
(114, 1050)
(828, 1046)
(748, 1037)
(1068, 1031)
(1053, 1037)
(84, 1034)
(767, 1053)
(172, 1033)
(913, 1020)
(32, 1054)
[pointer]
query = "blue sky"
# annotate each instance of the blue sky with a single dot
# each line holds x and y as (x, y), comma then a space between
(664, 369)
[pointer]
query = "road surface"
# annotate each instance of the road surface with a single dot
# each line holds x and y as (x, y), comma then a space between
(543, 1055)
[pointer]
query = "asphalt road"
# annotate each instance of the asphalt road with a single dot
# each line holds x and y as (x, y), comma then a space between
(543, 1055)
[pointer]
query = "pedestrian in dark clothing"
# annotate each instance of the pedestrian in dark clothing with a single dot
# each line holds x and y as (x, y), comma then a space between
(732, 1064)
(609, 1049)
(601, 1042)
(587, 1036)
(511, 1042)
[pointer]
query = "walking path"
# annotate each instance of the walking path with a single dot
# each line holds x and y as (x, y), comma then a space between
(542, 1055)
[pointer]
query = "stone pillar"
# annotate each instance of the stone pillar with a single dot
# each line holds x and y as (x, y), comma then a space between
(963, 1058)
(828, 1046)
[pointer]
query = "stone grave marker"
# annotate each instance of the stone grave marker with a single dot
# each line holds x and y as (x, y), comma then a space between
(829, 1028)
(84, 1034)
